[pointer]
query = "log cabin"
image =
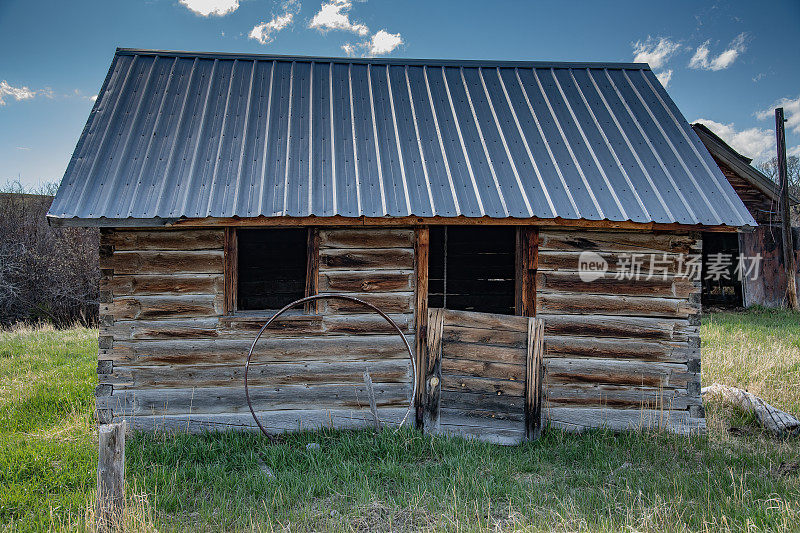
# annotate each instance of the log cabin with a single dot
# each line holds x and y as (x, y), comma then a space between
(760, 195)
(486, 206)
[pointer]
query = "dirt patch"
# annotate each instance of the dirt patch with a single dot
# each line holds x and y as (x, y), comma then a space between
(377, 516)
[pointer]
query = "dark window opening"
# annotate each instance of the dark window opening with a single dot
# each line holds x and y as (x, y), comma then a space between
(272, 267)
(721, 284)
(472, 268)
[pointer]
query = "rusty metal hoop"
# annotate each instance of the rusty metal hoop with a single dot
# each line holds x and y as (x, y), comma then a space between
(333, 297)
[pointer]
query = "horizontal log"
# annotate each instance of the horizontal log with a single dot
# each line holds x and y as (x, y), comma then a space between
(616, 241)
(479, 417)
(366, 238)
(486, 402)
(618, 326)
(193, 328)
(164, 262)
(484, 352)
(664, 351)
(780, 423)
(128, 285)
(470, 430)
(272, 374)
(481, 369)
(616, 372)
(594, 304)
(164, 239)
(580, 418)
(244, 325)
(616, 262)
(457, 417)
(155, 307)
(512, 339)
(232, 399)
(470, 319)
(216, 351)
(618, 397)
(275, 422)
(366, 281)
(373, 259)
(390, 302)
(482, 385)
(571, 282)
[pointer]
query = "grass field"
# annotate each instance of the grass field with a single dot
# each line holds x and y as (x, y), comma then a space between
(361, 481)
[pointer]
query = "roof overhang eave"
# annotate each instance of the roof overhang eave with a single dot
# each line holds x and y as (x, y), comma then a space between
(104, 222)
(287, 221)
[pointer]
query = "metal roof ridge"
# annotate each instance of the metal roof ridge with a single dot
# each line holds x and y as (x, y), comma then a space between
(387, 60)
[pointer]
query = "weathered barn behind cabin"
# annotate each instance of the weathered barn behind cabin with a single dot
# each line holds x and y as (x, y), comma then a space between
(761, 197)
(460, 197)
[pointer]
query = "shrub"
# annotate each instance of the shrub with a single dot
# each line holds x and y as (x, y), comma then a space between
(47, 273)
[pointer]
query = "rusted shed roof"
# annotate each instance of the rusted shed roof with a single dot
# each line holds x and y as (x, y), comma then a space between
(185, 135)
(738, 163)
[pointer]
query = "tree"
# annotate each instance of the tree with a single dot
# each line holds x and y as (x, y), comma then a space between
(770, 169)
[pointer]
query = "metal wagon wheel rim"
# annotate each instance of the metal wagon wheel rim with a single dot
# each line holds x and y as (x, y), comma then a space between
(331, 297)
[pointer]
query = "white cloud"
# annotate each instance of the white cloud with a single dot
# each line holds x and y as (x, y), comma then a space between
(791, 112)
(756, 143)
(264, 31)
(655, 52)
(93, 98)
(794, 151)
(664, 76)
(17, 93)
(349, 49)
(211, 7)
(28, 149)
(334, 15)
(702, 56)
(383, 43)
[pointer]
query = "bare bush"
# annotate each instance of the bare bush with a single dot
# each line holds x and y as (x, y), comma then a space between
(47, 273)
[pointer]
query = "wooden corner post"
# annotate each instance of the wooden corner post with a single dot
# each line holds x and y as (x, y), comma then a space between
(421, 253)
(432, 375)
(230, 270)
(527, 257)
(111, 476)
(533, 379)
(312, 269)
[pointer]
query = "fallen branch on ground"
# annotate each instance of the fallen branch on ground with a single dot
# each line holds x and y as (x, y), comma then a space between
(773, 419)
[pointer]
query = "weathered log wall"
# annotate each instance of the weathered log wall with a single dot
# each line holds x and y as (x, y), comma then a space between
(620, 353)
(769, 287)
(171, 359)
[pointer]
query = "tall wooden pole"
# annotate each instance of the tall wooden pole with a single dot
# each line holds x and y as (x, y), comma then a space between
(786, 223)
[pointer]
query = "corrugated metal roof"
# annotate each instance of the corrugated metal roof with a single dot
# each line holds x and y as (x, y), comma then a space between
(176, 134)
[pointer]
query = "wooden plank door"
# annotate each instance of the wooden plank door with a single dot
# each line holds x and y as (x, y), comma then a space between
(482, 376)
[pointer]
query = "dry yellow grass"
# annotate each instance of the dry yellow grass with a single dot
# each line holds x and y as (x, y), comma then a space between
(758, 351)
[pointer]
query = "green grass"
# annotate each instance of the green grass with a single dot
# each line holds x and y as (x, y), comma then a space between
(48, 450)
(403, 481)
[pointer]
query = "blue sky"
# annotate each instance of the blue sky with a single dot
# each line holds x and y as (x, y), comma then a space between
(725, 62)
